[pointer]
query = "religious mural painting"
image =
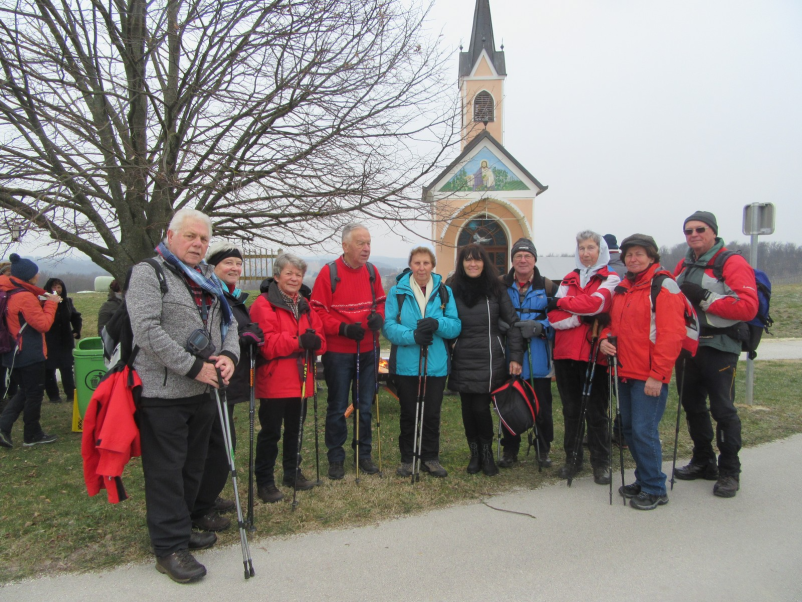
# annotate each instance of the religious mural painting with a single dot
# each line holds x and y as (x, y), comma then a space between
(484, 171)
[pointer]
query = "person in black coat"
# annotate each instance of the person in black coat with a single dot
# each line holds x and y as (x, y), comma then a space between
(60, 341)
(479, 363)
(111, 305)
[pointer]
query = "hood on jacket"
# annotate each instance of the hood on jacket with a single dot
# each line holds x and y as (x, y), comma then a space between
(49, 286)
(585, 273)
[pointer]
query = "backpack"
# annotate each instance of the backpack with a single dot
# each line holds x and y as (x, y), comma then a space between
(117, 331)
(516, 404)
(691, 341)
(7, 341)
(762, 321)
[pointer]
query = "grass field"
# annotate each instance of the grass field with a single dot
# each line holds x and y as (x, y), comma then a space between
(49, 525)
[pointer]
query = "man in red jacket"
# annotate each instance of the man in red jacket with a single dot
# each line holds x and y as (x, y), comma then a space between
(723, 306)
(350, 304)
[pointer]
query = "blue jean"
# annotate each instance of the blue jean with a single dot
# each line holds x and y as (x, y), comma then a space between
(340, 370)
(640, 417)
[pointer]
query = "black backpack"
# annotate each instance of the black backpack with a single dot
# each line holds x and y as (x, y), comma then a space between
(516, 404)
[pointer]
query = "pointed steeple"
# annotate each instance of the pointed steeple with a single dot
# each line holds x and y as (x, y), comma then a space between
(481, 38)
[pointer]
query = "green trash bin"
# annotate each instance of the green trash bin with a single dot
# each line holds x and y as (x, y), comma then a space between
(89, 369)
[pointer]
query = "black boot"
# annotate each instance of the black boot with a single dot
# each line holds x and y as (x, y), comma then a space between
(473, 465)
(488, 463)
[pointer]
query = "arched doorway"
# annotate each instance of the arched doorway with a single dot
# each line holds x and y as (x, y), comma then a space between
(489, 233)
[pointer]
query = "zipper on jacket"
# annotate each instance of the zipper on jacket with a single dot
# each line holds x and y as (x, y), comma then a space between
(490, 344)
(164, 384)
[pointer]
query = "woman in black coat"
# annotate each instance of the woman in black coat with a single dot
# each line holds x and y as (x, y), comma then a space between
(60, 341)
(479, 363)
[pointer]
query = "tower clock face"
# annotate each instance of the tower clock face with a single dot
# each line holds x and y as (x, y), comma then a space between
(486, 231)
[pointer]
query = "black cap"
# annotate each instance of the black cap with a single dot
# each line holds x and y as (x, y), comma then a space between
(704, 217)
(639, 240)
(523, 244)
(612, 242)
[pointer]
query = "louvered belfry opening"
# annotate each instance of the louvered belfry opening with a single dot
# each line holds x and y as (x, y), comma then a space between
(483, 109)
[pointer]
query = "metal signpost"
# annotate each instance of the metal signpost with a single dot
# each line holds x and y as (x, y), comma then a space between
(758, 219)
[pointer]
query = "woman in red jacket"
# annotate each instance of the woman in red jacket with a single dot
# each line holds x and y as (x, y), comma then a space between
(293, 337)
(582, 300)
(649, 340)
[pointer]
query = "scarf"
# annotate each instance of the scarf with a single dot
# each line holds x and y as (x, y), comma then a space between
(420, 296)
(211, 285)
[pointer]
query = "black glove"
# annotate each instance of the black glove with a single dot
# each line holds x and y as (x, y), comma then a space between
(375, 321)
(428, 324)
(423, 338)
(603, 320)
(530, 329)
(310, 341)
(251, 334)
(695, 293)
(352, 331)
(552, 304)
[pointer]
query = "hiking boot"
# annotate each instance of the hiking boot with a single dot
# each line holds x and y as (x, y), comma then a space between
(366, 465)
(629, 491)
(303, 484)
(5, 440)
(41, 439)
(647, 501)
(55, 400)
(211, 522)
(404, 469)
(270, 494)
(473, 465)
(221, 505)
(489, 467)
(545, 461)
(694, 470)
(434, 468)
(508, 458)
(601, 475)
(726, 486)
(181, 567)
(336, 471)
(200, 540)
(568, 471)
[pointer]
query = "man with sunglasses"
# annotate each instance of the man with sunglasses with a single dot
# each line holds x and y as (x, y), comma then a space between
(723, 305)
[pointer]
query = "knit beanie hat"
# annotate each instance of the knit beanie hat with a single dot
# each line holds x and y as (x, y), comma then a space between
(640, 240)
(523, 244)
(705, 217)
(23, 269)
(612, 241)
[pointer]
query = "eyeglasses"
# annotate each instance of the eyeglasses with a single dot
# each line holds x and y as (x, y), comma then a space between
(699, 230)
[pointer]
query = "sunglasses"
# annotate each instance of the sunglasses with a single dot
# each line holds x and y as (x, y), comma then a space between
(699, 230)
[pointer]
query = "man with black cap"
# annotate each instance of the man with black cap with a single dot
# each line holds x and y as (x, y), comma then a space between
(528, 291)
(723, 305)
(615, 263)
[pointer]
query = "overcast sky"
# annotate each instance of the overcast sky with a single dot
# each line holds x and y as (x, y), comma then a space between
(637, 113)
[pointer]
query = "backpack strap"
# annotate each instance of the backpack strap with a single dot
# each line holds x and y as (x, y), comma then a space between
(718, 264)
(400, 297)
(159, 274)
(333, 275)
(335, 279)
(657, 283)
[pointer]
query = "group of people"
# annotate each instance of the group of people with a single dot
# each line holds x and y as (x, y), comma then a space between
(470, 333)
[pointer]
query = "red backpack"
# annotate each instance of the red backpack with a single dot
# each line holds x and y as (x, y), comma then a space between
(691, 341)
(516, 404)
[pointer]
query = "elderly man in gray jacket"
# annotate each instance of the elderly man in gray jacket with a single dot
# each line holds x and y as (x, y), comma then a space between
(176, 412)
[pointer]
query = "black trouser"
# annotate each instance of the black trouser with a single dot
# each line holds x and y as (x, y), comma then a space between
(27, 401)
(476, 416)
(12, 384)
(570, 380)
(272, 412)
(67, 380)
(216, 469)
(433, 401)
(711, 375)
(175, 438)
(544, 420)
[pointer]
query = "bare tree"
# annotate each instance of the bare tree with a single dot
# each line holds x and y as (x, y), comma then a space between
(280, 119)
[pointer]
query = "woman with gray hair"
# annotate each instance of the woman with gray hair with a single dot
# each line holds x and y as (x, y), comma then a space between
(293, 340)
(577, 312)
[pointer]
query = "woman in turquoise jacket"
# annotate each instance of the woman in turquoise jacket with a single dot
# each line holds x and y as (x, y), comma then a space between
(420, 315)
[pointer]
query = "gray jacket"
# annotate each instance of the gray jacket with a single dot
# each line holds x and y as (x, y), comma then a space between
(161, 326)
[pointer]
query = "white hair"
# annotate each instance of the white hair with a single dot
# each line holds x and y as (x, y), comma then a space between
(349, 228)
(182, 215)
(285, 259)
(589, 235)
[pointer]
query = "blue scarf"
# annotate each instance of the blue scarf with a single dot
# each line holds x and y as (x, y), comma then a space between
(211, 285)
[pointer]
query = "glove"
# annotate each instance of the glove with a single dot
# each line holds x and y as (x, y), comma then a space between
(603, 320)
(503, 327)
(530, 329)
(251, 335)
(552, 304)
(310, 341)
(695, 293)
(375, 321)
(428, 325)
(423, 338)
(352, 331)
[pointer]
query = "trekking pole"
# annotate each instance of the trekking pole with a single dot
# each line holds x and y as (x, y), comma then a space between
(620, 424)
(356, 407)
(422, 360)
(376, 399)
(587, 387)
(251, 410)
(532, 384)
(679, 414)
(300, 427)
(317, 444)
(612, 340)
(222, 412)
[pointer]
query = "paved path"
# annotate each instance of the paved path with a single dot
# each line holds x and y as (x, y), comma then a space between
(778, 349)
(698, 547)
